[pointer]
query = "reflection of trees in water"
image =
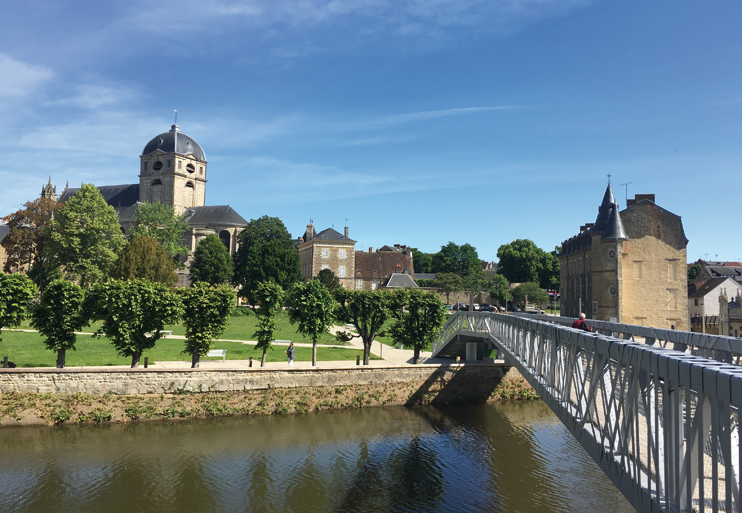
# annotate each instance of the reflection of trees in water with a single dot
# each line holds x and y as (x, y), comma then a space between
(194, 487)
(259, 484)
(306, 485)
(409, 478)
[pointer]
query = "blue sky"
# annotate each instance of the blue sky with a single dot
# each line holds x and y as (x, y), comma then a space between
(418, 121)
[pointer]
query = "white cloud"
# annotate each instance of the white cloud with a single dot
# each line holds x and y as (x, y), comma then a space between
(18, 79)
(94, 96)
(431, 114)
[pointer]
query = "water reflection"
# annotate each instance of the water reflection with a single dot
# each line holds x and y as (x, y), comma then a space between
(468, 458)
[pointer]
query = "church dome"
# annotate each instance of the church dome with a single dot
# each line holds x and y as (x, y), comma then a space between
(175, 141)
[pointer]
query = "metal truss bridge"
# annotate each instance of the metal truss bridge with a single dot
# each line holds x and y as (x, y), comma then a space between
(658, 410)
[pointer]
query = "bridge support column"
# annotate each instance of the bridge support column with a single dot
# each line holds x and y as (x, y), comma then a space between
(471, 351)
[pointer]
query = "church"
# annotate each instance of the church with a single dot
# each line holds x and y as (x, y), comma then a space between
(172, 171)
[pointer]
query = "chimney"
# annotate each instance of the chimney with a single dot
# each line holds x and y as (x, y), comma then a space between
(630, 202)
(641, 197)
(310, 231)
(346, 232)
(589, 225)
(582, 228)
(370, 249)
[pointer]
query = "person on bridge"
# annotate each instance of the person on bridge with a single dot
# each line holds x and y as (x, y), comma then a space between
(581, 324)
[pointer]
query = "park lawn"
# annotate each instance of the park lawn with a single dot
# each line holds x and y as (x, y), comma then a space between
(28, 350)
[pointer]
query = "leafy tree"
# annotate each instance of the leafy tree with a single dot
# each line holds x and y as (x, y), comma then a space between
(266, 252)
(473, 285)
(134, 314)
(161, 222)
(327, 278)
(522, 261)
(423, 316)
(366, 310)
(693, 272)
(84, 238)
(16, 290)
(311, 307)
(535, 294)
(212, 262)
(207, 309)
(59, 315)
(144, 258)
(270, 294)
(462, 260)
(448, 283)
(499, 289)
(422, 262)
(24, 242)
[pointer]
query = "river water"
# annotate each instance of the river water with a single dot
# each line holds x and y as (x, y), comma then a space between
(494, 457)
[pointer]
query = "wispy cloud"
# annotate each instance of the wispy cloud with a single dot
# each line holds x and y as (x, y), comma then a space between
(432, 114)
(95, 96)
(18, 78)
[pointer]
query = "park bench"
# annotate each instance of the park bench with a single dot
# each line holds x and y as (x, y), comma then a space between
(165, 333)
(216, 353)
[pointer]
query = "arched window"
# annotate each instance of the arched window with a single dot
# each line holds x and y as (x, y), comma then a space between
(190, 184)
(225, 237)
(191, 168)
(157, 182)
(157, 166)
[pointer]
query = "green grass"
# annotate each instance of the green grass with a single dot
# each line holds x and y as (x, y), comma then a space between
(28, 350)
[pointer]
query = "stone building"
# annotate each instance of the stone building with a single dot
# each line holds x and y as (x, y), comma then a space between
(327, 249)
(374, 269)
(629, 266)
(704, 305)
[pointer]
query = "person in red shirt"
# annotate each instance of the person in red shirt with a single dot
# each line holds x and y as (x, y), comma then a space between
(581, 324)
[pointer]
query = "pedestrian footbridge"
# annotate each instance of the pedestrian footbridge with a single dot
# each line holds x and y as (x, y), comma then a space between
(658, 410)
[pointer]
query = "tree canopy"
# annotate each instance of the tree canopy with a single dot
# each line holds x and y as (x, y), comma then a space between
(422, 262)
(462, 260)
(366, 310)
(164, 224)
(499, 289)
(84, 238)
(420, 322)
(16, 290)
(206, 313)
(266, 252)
(694, 271)
(212, 262)
(311, 307)
(535, 294)
(448, 283)
(270, 295)
(59, 315)
(145, 258)
(327, 278)
(521, 261)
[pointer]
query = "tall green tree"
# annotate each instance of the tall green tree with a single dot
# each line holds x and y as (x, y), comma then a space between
(530, 290)
(327, 278)
(266, 252)
(462, 260)
(521, 261)
(367, 311)
(16, 290)
(473, 284)
(694, 271)
(448, 283)
(311, 307)
(212, 262)
(206, 313)
(270, 295)
(134, 314)
(144, 258)
(84, 238)
(164, 224)
(59, 315)
(499, 289)
(424, 315)
(422, 262)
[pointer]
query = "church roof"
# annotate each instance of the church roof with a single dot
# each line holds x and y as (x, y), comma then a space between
(330, 234)
(115, 195)
(175, 141)
(217, 214)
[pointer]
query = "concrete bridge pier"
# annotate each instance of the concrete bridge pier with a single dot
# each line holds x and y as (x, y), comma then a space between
(471, 352)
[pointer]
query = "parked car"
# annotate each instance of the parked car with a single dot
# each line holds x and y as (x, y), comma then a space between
(487, 308)
(459, 306)
(513, 308)
(501, 308)
(448, 307)
(475, 307)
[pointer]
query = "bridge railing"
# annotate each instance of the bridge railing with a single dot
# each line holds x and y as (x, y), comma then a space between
(662, 424)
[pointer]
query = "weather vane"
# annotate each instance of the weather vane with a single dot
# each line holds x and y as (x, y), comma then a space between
(609, 178)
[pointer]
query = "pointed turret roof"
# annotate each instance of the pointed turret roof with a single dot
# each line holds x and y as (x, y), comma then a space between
(614, 226)
(604, 210)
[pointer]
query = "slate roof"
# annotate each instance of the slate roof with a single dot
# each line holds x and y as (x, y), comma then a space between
(425, 276)
(723, 270)
(401, 281)
(700, 288)
(117, 196)
(217, 214)
(175, 141)
(4, 230)
(329, 234)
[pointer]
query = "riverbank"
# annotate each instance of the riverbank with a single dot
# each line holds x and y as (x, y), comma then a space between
(28, 400)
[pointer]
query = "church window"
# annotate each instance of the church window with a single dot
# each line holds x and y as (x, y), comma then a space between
(157, 182)
(225, 237)
(191, 168)
(157, 166)
(190, 185)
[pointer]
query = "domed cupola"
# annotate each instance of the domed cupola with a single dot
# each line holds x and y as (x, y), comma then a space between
(175, 141)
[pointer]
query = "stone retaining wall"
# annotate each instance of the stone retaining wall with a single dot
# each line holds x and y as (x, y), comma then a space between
(152, 381)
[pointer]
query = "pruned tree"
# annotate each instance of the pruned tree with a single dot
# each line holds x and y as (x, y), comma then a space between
(84, 238)
(530, 292)
(266, 252)
(421, 320)
(311, 306)
(270, 295)
(16, 290)
(206, 312)
(327, 278)
(59, 315)
(448, 283)
(144, 258)
(165, 225)
(367, 311)
(134, 314)
(212, 262)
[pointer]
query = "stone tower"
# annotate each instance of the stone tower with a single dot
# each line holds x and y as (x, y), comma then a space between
(173, 171)
(49, 191)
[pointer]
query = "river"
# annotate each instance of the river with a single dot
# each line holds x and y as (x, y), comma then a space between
(493, 457)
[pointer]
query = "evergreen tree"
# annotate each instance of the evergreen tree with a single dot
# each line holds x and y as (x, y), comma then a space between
(212, 262)
(327, 278)
(145, 258)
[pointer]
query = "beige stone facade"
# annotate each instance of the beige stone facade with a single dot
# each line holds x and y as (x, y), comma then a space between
(627, 267)
(327, 249)
(172, 179)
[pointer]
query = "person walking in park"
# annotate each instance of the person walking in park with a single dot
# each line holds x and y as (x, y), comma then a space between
(290, 354)
(581, 324)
